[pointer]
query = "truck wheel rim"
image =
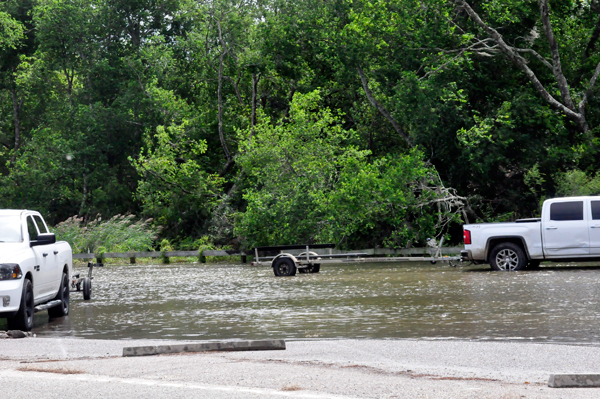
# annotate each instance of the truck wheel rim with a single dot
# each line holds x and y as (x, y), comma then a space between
(507, 259)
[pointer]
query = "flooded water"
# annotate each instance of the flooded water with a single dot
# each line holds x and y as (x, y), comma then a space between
(402, 300)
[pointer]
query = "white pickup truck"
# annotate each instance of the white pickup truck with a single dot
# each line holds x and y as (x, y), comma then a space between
(569, 230)
(35, 270)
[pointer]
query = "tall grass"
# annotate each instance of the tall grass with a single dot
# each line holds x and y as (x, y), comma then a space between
(121, 233)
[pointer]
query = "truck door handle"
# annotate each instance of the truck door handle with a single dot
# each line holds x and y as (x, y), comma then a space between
(45, 254)
(595, 226)
(551, 228)
(55, 252)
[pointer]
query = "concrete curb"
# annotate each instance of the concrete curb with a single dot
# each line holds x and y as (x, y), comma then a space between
(574, 381)
(219, 346)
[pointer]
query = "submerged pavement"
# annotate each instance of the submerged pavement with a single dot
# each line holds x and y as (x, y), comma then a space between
(54, 368)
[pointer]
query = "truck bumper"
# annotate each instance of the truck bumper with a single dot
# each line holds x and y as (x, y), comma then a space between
(10, 297)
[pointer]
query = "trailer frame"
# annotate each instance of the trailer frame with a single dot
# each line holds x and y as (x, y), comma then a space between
(287, 264)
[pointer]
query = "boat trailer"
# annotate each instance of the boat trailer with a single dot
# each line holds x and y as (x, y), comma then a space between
(308, 261)
(83, 283)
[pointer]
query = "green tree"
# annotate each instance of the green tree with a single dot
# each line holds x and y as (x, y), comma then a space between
(313, 185)
(11, 31)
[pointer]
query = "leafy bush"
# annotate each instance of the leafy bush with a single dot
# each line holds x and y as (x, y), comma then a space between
(121, 233)
(577, 182)
(314, 185)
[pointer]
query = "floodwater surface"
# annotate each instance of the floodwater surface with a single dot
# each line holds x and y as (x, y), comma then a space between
(401, 300)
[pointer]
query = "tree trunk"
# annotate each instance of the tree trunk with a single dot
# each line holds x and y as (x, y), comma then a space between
(224, 52)
(255, 79)
(17, 106)
(85, 190)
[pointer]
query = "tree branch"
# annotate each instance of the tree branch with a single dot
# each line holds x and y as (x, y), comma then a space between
(224, 52)
(380, 108)
(521, 62)
(592, 43)
(536, 54)
(588, 92)
(563, 86)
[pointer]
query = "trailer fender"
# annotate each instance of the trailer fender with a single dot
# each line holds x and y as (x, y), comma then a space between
(285, 255)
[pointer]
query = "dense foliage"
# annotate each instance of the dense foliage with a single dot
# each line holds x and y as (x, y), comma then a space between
(364, 123)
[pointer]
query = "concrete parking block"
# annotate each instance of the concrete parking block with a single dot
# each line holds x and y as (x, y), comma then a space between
(218, 346)
(574, 381)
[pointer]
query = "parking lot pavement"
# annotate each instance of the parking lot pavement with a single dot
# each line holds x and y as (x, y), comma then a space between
(48, 368)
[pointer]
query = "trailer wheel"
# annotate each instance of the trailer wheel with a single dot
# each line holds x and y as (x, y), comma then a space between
(508, 257)
(23, 320)
(87, 289)
(284, 267)
(316, 268)
(63, 295)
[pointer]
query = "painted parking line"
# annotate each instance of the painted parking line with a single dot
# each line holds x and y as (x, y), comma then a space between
(264, 392)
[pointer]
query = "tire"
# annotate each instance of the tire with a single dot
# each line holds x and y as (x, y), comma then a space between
(87, 289)
(316, 268)
(23, 320)
(284, 267)
(508, 257)
(63, 295)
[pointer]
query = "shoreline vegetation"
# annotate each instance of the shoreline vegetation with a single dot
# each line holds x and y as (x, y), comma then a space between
(234, 124)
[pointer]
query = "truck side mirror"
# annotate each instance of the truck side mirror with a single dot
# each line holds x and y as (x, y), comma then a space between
(43, 239)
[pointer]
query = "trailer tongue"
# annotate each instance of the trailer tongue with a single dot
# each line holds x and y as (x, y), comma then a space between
(286, 263)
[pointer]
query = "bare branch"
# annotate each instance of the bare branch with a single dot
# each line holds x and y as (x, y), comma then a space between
(235, 85)
(588, 92)
(536, 54)
(521, 62)
(563, 86)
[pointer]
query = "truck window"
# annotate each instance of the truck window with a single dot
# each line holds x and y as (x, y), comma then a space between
(40, 224)
(566, 210)
(596, 210)
(33, 233)
(10, 229)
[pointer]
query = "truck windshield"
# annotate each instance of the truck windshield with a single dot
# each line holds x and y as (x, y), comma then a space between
(10, 228)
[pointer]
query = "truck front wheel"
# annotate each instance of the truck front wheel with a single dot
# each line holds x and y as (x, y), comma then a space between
(508, 257)
(23, 320)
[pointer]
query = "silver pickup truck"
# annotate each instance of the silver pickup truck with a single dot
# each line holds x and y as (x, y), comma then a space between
(35, 270)
(569, 230)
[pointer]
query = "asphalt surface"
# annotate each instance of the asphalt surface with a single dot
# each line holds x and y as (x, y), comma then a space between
(57, 368)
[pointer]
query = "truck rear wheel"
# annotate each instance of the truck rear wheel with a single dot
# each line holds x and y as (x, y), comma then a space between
(63, 295)
(508, 257)
(23, 320)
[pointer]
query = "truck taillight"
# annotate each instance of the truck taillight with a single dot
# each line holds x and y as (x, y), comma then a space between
(467, 237)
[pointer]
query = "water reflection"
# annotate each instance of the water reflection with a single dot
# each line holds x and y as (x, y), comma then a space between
(351, 301)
